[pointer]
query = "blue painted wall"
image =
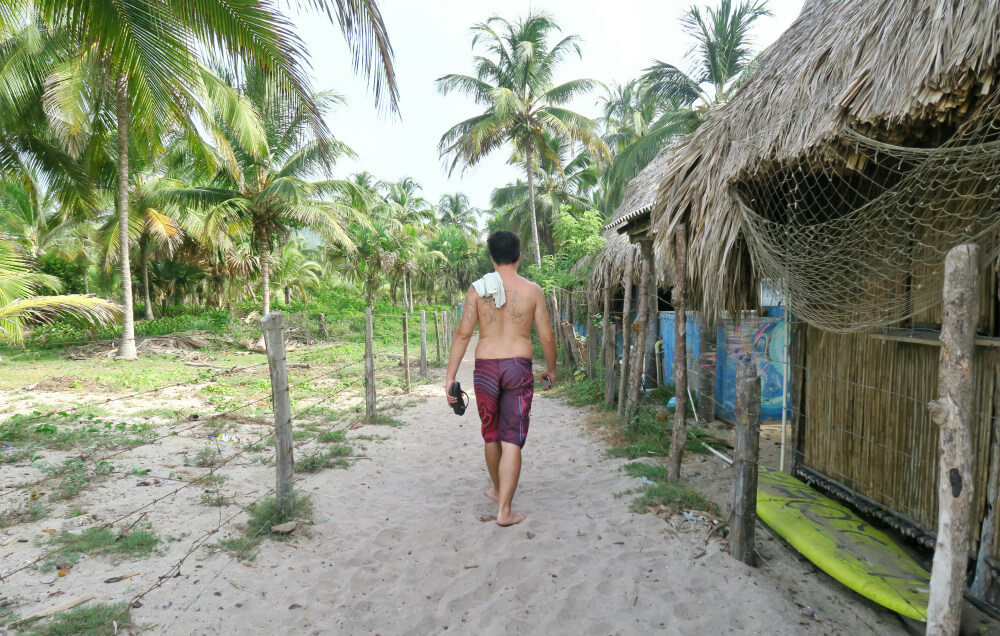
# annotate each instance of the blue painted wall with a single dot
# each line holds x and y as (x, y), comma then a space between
(762, 340)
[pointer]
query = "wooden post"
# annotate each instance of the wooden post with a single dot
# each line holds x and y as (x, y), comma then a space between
(610, 358)
(322, 326)
(274, 341)
(445, 322)
(743, 515)
(569, 334)
(406, 350)
(651, 317)
(626, 333)
(985, 584)
(640, 344)
(679, 437)
(423, 343)
(369, 368)
(952, 412)
(437, 335)
(591, 304)
(706, 368)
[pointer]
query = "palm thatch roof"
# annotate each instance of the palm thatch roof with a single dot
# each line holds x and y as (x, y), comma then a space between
(639, 197)
(875, 65)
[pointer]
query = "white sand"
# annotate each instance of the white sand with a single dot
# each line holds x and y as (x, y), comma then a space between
(396, 548)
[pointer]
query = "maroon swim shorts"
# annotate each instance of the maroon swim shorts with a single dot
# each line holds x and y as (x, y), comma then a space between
(504, 388)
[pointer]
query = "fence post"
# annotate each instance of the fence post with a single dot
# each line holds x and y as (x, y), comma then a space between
(679, 437)
(743, 515)
(369, 368)
(322, 326)
(447, 332)
(423, 343)
(626, 334)
(274, 341)
(609, 346)
(591, 304)
(640, 344)
(437, 335)
(952, 412)
(406, 351)
(610, 357)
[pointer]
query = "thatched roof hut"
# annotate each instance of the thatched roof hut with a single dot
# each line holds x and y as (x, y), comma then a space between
(639, 197)
(895, 69)
(881, 75)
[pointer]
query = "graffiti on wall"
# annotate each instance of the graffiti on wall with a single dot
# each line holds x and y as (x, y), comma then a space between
(762, 342)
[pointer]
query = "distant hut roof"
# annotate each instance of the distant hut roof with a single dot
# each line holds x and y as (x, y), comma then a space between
(875, 65)
(638, 199)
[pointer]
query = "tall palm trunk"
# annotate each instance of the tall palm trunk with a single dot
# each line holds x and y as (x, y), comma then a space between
(126, 350)
(144, 266)
(529, 168)
(409, 292)
(265, 269)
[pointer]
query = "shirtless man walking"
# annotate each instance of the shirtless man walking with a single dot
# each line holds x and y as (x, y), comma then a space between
(504, 305)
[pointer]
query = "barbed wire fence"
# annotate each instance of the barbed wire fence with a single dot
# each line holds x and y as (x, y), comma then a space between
(392, 356)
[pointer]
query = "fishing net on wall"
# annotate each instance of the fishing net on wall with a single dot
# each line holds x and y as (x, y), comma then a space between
(857, 235)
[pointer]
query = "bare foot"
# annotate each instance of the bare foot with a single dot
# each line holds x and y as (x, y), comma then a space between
(509, 520)
(491, 493)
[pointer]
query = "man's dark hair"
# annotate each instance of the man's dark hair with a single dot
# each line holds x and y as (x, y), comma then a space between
(505, 247)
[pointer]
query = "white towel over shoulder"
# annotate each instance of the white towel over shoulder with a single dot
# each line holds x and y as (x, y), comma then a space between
(491, 285)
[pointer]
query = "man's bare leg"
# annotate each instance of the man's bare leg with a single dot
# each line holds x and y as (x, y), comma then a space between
(492, 451)
(510, 471)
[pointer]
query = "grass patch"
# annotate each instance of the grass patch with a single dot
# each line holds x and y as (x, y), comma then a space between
(332, 437)
(370, 438)
(330, 457)
(206, 457)
(264, 515)
(93, 619)
(136, 544)
(25, 514)
(663, 492)
(385, 420)
(75, 476)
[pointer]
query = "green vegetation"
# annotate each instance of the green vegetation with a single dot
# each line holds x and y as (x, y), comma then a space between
(264, 515)
(92, 619)
(134, 544)
(671, 494)
(329, 437)
(329, 457)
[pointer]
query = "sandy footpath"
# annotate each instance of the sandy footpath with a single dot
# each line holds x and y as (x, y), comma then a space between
(397, 549)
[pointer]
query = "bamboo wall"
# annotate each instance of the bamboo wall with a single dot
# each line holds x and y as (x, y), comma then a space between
(866, 423)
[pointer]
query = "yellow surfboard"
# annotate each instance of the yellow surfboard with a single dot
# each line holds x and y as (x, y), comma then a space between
(842, 544)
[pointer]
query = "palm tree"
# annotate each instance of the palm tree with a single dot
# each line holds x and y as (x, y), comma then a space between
(20, 302)
(514, 82)
(270, 187)
(149, 51)
(637, 123)
(722, 42)
(373, 255)
(563, 183)
(296, 269)
(456, 210)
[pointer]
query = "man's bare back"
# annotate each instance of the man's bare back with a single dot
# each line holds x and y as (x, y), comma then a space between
(506, 332)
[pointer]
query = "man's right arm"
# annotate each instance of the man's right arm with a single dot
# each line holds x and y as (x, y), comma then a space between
(543, 323)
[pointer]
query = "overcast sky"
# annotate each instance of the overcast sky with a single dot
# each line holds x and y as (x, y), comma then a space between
(431, 38)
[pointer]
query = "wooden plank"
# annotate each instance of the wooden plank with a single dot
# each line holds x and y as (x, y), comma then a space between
(930, 337)
(274, 341)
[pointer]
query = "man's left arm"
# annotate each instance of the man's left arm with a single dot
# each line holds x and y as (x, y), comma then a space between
(460, 343)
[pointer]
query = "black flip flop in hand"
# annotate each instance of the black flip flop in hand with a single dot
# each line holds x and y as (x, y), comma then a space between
(455, 391)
